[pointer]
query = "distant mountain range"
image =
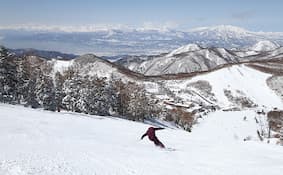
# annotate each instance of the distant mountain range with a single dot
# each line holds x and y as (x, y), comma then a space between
(194, 58)
(112, 42)
(43, 53)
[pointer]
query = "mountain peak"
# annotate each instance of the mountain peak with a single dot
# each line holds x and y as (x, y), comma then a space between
(186, 48)
(264, 45)
(221, 28)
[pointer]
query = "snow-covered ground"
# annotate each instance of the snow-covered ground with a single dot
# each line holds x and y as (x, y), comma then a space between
(43, 142)
(61, 65)
(239, 79)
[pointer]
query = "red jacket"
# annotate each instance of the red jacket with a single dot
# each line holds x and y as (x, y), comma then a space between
(151, 135)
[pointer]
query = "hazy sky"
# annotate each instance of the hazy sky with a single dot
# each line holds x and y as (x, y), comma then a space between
(255, 15)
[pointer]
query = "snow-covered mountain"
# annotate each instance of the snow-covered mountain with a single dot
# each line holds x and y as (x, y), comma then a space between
(265, 46)
(230, 86)
(134, 41)
(186, 48)
(42, 142)
(192, 58)
(43, 53)
(233, 86)
(197, 102)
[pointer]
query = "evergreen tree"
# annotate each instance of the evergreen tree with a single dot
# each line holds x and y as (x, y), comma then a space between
(59, 80)
(45, 93)
(8, 80)
(31, 98)
(138, 104)
(71, 89)
(96, 96)
(112, 99)
(28, 88)
(123, 97)
(23, 78)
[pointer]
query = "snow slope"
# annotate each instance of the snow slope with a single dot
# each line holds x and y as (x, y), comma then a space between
(61, 65)
(241, 80)
(265, 45)
(249, 81)
(186, 48)
(42, 142)
(186, 59)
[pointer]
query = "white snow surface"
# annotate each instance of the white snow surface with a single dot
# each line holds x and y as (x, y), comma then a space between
(265, 45)
(61, 65)
(237, 78)
(43, 142)
(247, 80)
(186, 48)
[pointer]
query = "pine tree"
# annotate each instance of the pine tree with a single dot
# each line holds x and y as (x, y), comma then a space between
(112, 98)
(97, 97)
(132, 101)
(138, 105)
(23, 77)
(31, 98)
(123, 97)
(45, 93)
(28, 87)
(71, 89)
(8, 80)
(59, 80)
(48, 100)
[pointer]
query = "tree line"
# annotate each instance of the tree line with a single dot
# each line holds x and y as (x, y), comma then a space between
(28, 81)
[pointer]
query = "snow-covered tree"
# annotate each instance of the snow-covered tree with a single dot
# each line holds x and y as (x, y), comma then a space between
(24, 77)
(132, 100)
(8, 80)
(45, 93)
(58, 83)
(71, 89)
(281, 136)
(138, 103)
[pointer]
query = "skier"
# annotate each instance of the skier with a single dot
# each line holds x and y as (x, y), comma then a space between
(151, 136)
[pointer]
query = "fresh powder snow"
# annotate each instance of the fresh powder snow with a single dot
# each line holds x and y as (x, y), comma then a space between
(265, 45)
(43, 142)
(237, 79)
(186, 48)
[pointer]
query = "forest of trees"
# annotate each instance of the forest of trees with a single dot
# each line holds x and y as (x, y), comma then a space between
(29, 82)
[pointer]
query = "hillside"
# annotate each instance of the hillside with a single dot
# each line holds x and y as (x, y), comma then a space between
(91, 85)
(192, 58)
(231, 86)
(235, 86)
(42, 142)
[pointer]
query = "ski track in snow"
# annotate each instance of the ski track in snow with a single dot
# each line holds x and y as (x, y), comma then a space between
(42, 142)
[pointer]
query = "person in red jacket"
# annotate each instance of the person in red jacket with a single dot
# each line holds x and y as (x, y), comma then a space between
(151, 136)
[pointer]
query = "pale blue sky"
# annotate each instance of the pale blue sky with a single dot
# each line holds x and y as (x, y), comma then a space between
(255, 15)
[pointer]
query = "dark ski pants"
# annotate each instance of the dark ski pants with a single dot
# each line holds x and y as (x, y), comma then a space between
(157, 142)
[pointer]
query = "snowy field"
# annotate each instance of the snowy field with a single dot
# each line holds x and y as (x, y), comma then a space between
(43, 142)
